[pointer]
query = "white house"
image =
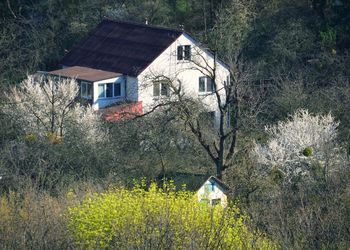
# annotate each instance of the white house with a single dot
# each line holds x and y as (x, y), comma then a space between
(126, 63)
(213, 192)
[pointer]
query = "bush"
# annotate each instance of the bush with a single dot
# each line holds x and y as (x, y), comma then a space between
(33, 220)
(307, 151)
(159, 219)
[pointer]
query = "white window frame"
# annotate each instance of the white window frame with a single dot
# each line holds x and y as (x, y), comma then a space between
(206, 79)
(183, 54)
(105, 90)
(161, 84)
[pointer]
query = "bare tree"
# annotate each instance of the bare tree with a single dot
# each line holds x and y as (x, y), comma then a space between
(230, 94)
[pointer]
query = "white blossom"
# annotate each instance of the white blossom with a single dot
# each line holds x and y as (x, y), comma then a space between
(45, 106)
(288, 140)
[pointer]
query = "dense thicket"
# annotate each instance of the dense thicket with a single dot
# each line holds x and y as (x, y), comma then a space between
(284, 55)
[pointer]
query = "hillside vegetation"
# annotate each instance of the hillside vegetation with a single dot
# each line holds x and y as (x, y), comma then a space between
(287, 158)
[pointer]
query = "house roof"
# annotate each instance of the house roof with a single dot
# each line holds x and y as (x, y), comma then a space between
(85, 73)
(119, 46)
(220, 183)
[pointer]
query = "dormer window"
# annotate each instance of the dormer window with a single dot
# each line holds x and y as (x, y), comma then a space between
(184, 52)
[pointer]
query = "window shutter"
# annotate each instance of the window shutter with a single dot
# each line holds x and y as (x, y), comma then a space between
(179, 52)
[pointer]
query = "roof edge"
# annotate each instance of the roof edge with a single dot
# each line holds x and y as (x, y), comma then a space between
(220, 182)
(200, 45)
(143, 25)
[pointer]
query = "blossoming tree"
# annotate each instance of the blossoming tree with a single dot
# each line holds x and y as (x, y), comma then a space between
(300, 142)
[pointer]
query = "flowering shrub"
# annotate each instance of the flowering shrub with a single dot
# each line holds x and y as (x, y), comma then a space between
(301, 141)
(159, 219)
(48, 107)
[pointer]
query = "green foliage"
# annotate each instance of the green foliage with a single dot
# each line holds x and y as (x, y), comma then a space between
(276, 175)
(307, 151)
(183, 6)
(30, 137)
(159, 218)
(328, 38)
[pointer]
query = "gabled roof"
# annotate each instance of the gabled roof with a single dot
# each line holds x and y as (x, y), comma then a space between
(224, 187)
(84, 73)
(119, 46)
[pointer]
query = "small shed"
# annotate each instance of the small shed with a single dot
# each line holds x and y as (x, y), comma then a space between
(213, 192)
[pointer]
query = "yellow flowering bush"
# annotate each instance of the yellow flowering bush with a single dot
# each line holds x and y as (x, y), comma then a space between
(159, 218)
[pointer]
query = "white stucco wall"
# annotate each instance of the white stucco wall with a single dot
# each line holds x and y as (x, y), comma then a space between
(132, 89)
(203, 193)
(185, 71)
(141, 88)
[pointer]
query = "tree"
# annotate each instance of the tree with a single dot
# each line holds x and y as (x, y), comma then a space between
(57, 138)
(299, 142)
(46, 106)
(230, 94)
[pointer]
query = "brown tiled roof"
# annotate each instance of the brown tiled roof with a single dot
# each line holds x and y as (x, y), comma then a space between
(119, 46)
(84, 73)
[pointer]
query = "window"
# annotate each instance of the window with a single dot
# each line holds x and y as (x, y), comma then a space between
(215, 202)
(201, 84)
(156, 91)
(109, 90)
(206, 84)
(161, 88)
(209, 187)
(101, 91)
(187, 52)
(117, 89)
(85, 90)
(184, 52)
(180, 52)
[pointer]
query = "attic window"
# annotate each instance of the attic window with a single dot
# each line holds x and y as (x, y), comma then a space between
(209, 187)
(184, 52)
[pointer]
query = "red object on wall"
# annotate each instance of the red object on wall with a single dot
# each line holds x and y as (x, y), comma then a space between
(122, 112)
